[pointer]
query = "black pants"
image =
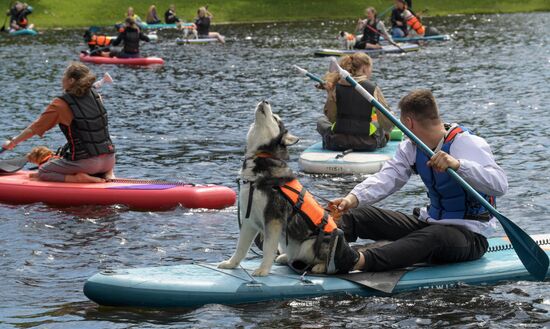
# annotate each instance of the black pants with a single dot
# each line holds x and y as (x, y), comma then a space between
(413, 241)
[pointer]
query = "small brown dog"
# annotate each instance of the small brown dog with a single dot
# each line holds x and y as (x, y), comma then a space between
(40, 155)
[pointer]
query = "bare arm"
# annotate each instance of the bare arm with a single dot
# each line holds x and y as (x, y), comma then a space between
(23, 136)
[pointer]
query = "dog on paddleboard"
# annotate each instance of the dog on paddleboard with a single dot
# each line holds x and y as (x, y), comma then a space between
(347, 39)
(273, 203)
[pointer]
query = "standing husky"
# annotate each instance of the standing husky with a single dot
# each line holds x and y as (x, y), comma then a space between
(266, 203)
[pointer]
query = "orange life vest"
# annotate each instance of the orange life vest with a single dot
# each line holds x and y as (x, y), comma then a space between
(99, 40)
(415, 24)
(307, 206)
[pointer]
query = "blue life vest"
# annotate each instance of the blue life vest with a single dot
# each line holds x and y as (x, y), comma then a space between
(448, 200)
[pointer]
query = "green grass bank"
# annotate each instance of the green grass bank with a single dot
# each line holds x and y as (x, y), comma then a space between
(82, 13)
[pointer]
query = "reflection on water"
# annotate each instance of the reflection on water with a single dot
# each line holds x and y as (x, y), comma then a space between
(188, 120)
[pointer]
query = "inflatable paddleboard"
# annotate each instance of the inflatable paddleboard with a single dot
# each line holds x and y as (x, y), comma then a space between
(199, 284)
(23, 32)
(140, 61)
(19, 188)
(165, 26)
(182, 41)
(439, 37)
(389, 49)
(316, 160)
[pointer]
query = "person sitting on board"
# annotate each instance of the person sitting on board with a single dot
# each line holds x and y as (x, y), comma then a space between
(18, 16)
(98, 44)
(453, 228)
(80, 114)
(152, 16)
(130, 35)
(348, 121)
(202, 23)
(170, 15)
(372, 28)
(399, 27)
(408, 17)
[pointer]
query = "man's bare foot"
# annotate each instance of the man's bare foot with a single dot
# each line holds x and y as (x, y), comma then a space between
(83, 178)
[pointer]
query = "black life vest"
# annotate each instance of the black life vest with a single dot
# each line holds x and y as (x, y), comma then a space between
(203, 25)
(397, 16)
(88, 135)
(353, 111)
(131, 40)
(369, 33)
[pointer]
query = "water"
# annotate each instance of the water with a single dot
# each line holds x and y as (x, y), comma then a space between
(188, 120)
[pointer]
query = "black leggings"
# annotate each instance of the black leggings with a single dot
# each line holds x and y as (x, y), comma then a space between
(413, 241)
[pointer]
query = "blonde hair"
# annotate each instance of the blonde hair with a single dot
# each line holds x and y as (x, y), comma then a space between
(83, 79)
(203, 12)
(150, 15)
(351, 63)
(371, 9)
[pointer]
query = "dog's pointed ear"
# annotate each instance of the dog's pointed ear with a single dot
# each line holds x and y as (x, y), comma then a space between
(289, 139)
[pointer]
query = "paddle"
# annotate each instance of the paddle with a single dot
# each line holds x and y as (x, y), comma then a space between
(12, 165)
(385, 11)
(531, 255)
(393, 43)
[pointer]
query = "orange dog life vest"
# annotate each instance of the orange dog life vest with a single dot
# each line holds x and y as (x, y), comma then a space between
(307, 206)
(415, 24)
(100, 41)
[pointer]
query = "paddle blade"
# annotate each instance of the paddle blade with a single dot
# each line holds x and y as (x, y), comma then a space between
(12, 165)
(107, 78)
(529, 252)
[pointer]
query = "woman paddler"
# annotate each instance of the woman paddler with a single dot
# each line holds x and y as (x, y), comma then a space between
(89, 154)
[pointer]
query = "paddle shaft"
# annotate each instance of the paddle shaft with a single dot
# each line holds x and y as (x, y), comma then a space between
(376, 31)
(530, 253)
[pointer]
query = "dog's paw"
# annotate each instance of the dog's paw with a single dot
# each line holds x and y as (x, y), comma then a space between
(227, 265)
(319, 268)
(281, 259)
(261, 272)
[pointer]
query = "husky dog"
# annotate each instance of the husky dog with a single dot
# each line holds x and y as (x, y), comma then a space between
(264, 209)
(348, 40)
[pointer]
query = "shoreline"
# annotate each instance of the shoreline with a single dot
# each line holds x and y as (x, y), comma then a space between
(54, 14)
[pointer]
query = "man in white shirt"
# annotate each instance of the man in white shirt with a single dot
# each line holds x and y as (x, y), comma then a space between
(454, 226)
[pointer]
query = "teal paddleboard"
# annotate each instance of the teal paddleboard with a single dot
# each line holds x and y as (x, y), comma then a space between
(317, 160)
(23, 32)
(193, 285)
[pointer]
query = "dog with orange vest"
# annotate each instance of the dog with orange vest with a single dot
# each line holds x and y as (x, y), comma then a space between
(348, 40)
(273, 203)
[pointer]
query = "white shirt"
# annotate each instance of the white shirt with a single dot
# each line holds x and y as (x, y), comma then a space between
(477, 167)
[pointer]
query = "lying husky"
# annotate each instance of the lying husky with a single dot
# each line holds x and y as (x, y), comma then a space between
(274, 203)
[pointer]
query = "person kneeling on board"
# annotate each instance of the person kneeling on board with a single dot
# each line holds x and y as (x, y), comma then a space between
(453, 228)
(402, 17)
(18, 16)
(371, 28)
(130, 35)
(348, 121)
(80, 114)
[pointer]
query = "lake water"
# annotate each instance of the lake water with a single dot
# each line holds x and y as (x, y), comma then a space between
(188, 120)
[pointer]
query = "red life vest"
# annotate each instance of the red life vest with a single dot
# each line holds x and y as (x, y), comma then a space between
(307, 206)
